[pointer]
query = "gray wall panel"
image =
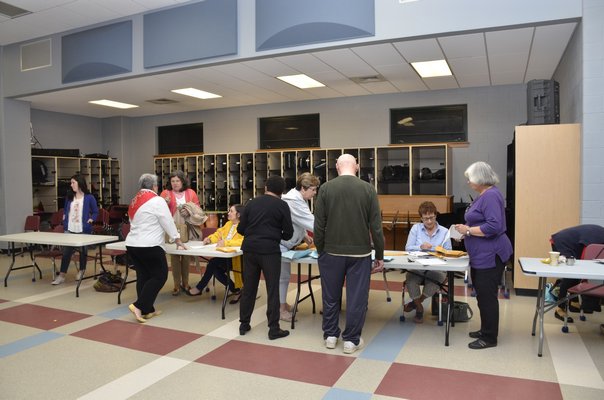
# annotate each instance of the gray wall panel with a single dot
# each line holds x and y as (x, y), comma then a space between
(287, 23)
(192, 32)
(97, 53)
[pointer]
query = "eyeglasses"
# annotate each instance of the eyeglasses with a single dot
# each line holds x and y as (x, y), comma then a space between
(432, 218)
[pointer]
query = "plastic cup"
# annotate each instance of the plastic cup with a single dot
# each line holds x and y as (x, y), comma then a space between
(554, 257)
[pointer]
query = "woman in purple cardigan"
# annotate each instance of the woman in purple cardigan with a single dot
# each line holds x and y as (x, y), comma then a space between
(80, 212)
(489, 249)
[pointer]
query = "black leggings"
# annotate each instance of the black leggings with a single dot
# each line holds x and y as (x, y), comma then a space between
(151, 275)
(486, 282)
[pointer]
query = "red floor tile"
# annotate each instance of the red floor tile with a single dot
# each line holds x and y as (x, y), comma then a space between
(416, 382)
(3, 301)
(133, 335)
(296, 365)
(39, 317)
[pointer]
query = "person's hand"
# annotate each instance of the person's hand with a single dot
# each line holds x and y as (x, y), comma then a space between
(220, 243)
(180, 244)
(461, 228)
(167, 198)
(183, 212)
(308, 240)
(378, 266)
(426, 246)
(206, 240)
(90, 220)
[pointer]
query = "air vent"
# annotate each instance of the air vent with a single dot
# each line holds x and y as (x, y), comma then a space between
(11, 11)
(368, 79)
(162, 101)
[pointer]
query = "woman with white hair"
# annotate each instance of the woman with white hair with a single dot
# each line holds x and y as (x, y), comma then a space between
(150, 217)
(489, 249)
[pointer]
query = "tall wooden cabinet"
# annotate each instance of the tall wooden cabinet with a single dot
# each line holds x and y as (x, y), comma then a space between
(547, 192)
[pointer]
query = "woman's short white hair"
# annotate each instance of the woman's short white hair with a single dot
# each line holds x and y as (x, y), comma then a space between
(481, 173)
(147, 181)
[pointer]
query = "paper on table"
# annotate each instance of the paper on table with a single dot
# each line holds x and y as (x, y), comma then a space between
(453, 234)
(430, 261)
(418, 253)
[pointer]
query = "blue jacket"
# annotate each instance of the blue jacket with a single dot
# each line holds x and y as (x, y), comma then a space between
(90, 211)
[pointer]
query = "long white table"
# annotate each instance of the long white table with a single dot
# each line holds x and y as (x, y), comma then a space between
(399, 262)
(582, 269)
(195, 249)
(53, 239)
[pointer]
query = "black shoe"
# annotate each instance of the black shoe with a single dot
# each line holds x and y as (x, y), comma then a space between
(277, 334)
(475, 334)
(574, 307)
(243, 328)
(236, 299)
(481, 344)
(570, 320)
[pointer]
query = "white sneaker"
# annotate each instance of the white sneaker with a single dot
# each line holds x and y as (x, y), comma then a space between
(331, 342)
(350, 347)
(58, 280)
(79, 275)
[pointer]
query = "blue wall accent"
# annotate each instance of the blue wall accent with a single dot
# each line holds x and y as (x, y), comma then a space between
(192, 32)
(288, 23)
(97, 53)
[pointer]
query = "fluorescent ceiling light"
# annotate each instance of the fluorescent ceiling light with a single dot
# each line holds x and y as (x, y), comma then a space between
(301, 81)
(430, 69)
(111, 103)
(200, 94)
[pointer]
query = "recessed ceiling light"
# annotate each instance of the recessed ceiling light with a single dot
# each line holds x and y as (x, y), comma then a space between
(111, 103)
(301, 81)
(200, 94)
(430, 69)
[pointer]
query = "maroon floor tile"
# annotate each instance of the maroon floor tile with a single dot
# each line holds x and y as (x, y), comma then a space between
(133, 335)
(3, 301)
(296, 365)
(39, 317)
(416, 382)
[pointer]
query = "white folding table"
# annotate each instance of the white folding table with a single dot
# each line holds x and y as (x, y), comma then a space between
(582, 269)
(195, 249)
(399, 262)
(53, 239)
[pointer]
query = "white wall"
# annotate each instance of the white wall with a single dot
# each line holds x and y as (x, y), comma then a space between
(361, 121)
(66, 131)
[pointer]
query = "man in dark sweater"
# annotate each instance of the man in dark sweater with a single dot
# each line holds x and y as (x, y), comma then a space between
(265, 221)
(347, 219)
(571, 242)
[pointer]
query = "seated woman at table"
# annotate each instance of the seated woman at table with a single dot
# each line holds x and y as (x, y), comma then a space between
(80, 212)
(425, 237)
(225, 236)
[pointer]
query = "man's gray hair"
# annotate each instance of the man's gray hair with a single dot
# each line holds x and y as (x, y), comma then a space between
(481, 173)
(147, 181)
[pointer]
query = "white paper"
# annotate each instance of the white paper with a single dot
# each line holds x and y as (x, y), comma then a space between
(418, 253)
(430, 261)
(453, 234)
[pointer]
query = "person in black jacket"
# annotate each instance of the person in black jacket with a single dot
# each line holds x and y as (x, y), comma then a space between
(571, 242)
(265, 221)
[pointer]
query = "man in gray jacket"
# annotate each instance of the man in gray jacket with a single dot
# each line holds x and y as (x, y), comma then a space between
(303, 221)
(347, 220)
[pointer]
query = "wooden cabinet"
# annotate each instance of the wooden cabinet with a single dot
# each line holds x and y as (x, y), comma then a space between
(102, 177)
(547, 192)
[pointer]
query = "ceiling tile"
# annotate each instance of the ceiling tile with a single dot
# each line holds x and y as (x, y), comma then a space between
(271, 67)
(512, 41)
(346, 62)
(549, 44)
(463, 46)
(441, 82)
(378, 55)
(420, 50)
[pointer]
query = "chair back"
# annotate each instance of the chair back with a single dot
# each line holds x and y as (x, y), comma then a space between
(32, 223)
(124, 230)
(205, 232)
(212, 221)
(58, 229)
(57, 218)
(102, 218)
(593, 251)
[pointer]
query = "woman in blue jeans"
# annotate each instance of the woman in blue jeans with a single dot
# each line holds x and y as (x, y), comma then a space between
(489, 249)
(80, 212)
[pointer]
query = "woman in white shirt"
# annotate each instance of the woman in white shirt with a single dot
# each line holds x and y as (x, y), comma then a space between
(150, 217)
(80, 212)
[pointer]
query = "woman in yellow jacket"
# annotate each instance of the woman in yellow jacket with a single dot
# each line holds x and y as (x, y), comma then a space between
(225, 236)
